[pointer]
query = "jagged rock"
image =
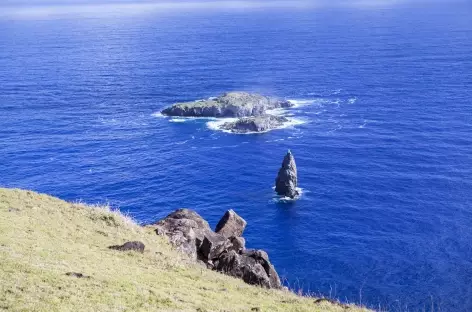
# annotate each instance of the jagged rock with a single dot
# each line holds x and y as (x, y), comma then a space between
(287, 179)
(231, 104)
(231, 224)
(185, 229)
(258, 255)
(254, 124)
(238, 244)
(223, 251)
(189, 214)
(248, 268)
(229, 263)
(254, 274)
(213, 246)
(261, 257)
(129, 246)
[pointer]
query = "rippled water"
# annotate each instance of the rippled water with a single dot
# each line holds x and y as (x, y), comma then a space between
(383, 147)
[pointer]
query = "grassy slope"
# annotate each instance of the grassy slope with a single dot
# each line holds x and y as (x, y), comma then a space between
(42, 238)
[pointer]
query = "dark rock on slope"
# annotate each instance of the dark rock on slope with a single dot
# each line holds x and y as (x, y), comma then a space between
(251, 266)
(255, 124)
(287, 179)
(129, 246)
(231, 104)
(185, 229)
(223, 250)
(78, 275)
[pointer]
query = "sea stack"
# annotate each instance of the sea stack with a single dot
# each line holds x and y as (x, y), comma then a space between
(287, 181)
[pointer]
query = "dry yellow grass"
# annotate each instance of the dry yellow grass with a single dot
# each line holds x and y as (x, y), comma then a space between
(42, 238)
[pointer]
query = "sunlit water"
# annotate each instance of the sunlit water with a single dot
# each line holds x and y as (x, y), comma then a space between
(383, 138)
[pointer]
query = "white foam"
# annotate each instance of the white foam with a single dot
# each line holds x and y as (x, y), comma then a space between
(284, 199)
(352, 100)
(278, 140)
(159, 115)
(181, 118)
(297, 103)
(194, 118)
(301, 102)
(364, 124)
(216, 124)
(277, 111)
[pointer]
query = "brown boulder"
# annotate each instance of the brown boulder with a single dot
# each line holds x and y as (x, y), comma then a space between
(185, 229)
(213, 246)
(223, 251)
(244, 267)
(238, 244)
(261, 257)
(231, 224)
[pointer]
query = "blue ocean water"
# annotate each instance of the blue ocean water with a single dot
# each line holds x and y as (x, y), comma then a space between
(383, 151)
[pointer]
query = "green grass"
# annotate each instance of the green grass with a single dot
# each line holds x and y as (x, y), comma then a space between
(42, 238)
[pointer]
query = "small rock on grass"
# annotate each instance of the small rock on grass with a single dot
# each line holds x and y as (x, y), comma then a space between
(129, 246)
(78, 275)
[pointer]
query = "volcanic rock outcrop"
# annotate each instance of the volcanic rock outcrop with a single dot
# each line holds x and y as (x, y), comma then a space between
(223, 251)
(254, 124)
(230, 104)
(287, 179)
(231, 225)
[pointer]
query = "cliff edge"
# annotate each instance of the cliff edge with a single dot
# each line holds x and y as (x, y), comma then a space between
(59, 256)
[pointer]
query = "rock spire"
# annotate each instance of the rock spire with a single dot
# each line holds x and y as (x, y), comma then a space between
(287, 180)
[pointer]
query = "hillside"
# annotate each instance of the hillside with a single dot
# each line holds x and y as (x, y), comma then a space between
(42, 238)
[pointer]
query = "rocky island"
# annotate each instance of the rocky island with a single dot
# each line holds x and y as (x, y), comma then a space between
(230, 104)
(254, 124)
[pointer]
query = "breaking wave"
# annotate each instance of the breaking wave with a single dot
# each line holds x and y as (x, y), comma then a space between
(285, 199)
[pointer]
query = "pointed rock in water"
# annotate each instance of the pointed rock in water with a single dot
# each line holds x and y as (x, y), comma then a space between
(287, 180)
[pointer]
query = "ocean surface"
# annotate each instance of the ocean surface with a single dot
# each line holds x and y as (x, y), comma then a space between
(382, 133)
